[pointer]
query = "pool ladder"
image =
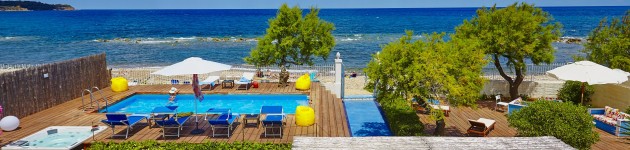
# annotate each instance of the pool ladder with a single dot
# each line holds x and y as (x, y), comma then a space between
(92, 98)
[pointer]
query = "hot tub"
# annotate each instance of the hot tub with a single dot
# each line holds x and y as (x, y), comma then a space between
(56, 137)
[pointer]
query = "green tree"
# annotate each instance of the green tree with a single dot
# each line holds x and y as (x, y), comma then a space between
(571, 91)
(293, 39)
(428, 68)
(567, 122)
(513, 34)
(609, 43)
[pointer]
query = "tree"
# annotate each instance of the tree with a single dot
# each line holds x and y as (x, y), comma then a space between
(571, 91)
(513, 34)
(293, 39)
(567, 122)
(427, 68)
(609, 43)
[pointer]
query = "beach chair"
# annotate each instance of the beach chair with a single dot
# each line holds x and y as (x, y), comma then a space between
(481, 126)
(172, 123)
(114, 120)
(211, 80)
(246, 80)
(435, 104)
(173, 82)
(224, 121)
(274, 119)
(503, 106)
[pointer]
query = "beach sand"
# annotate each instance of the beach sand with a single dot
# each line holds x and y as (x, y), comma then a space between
(353, 86)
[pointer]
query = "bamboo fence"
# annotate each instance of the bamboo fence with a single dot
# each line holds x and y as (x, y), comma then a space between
(26, 90)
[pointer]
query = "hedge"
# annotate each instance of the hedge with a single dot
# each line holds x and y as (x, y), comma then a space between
(154, 145)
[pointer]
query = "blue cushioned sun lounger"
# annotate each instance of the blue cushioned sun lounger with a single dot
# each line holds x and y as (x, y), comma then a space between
(225, 121)
(173, 122)
(271, 110)
(114, 120)
(274, 119)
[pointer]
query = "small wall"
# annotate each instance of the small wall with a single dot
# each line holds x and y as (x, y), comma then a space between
(531, 88)
(616, 96)
(24, 92)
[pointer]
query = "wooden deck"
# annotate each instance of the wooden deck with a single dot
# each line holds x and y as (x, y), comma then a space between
(330, 118)
(429, 143)
(457, 124)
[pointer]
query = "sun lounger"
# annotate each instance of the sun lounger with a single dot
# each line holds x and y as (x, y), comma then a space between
(481, 126)
(246, 80)
(162, 120)
(114, 120)
(173, 123)
(174, 81)
(224, 121)
(435, 104)
(211, 80)
(274, 119)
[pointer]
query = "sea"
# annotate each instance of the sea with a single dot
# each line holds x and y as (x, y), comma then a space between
(147, 38)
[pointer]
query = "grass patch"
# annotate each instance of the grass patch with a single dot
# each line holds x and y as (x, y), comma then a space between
(154, 145)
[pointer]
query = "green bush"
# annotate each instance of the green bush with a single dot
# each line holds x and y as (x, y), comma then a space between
(154, 145)
(571, 91)
(401, 117)
(567, 122)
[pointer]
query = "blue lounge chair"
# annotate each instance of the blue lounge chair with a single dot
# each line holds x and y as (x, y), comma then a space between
(114, 120)
(173, 122)
(274, 119)
(174, 81)
(224, 121)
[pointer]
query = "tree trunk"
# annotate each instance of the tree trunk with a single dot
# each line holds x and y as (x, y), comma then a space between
(514, 83)
(440, 126)
(283, 78)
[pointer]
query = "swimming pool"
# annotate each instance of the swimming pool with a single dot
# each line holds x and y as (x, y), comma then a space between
(56, 137)
(238, 103)
(365, 118)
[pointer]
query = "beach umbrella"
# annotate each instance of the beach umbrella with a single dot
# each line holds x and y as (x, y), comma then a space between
(194, 66)
(588, 72)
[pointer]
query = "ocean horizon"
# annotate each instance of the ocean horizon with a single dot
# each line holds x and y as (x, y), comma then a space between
(159, 37)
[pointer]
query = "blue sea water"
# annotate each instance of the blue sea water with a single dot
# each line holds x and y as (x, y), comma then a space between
(163, 37)
(238, 103)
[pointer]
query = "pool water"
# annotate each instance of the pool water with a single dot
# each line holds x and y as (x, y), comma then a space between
(365, 118)
(238, 103)
(57, 137)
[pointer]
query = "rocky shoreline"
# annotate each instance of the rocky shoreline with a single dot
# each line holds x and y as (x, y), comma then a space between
(32, 6)
(572, 40)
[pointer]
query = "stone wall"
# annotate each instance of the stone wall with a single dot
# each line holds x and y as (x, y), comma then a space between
(613, 95)
(616, 96)
(532, 88)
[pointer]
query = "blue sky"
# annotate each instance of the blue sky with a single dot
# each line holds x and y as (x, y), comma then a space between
(272, 4)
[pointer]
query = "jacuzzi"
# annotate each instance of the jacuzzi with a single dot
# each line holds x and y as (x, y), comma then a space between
(56, 137)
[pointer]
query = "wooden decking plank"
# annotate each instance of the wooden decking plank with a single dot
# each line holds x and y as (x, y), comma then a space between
(69, 113)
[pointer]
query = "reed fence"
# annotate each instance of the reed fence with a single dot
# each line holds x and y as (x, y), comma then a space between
(25, 90)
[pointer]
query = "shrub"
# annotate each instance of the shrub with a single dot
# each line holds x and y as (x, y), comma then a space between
(571, 91)
(130, 145)
(567, 122)
(401, 117)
